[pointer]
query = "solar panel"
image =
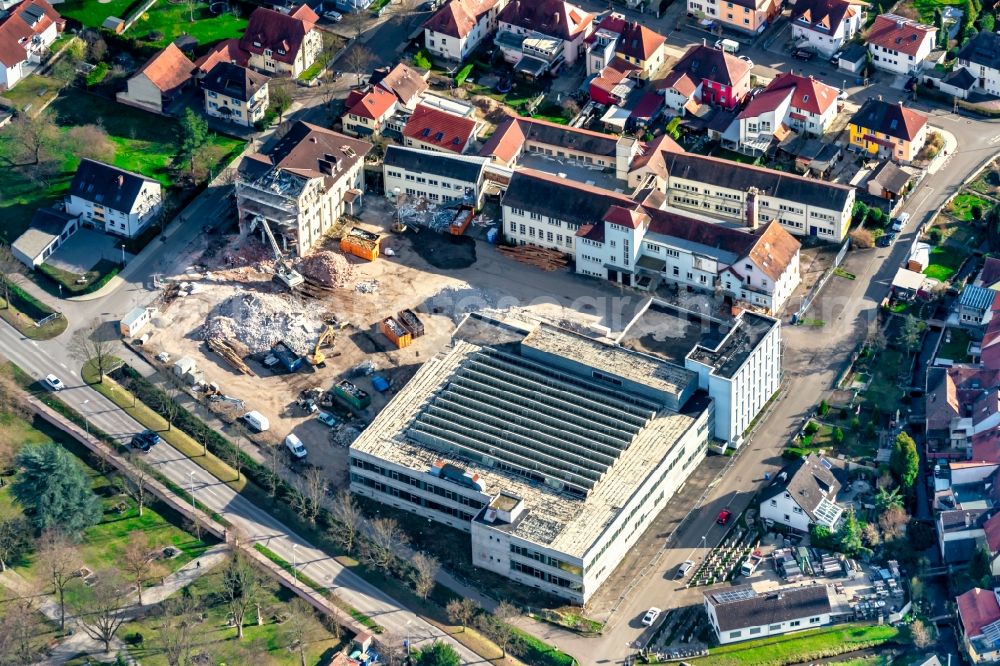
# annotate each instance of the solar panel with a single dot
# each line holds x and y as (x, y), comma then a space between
(825, 463)
(738, 594)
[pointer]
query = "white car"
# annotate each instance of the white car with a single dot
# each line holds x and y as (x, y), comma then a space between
(650, 617)
(54, 383)
(746, 60)
(336, 17)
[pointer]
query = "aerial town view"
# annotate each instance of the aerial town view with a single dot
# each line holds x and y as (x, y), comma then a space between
(499, 332)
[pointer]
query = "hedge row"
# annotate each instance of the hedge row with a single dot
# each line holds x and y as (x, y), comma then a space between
(26, 303)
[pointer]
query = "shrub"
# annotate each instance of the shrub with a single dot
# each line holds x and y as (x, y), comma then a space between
(422, 59)
(860, 211)
(862, 239)
(977, 211)
(824, 408)
(463, 74)
(935, 235)
(98, 74)
(792, 453)
(811, 428)
(838, 435)
(855, 424)
(876, 218)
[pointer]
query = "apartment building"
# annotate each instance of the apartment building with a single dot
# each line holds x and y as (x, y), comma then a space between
(27, 30)
(825, 26)
(536, 37)
(431, 128)
(282, 44)
(438, 177)
(615, 37)
(460, 26)
(789, 102)
(747, 16)
(899, 45)
(113, 200)
(302, 185)
(890, 131)
(235, 93)
(552, 450)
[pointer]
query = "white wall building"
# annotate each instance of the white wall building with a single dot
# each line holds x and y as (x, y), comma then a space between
(557, 20)
(899, 44)
(825, 26)
(113, 200)
(437, 177)
(554, 452)
(458, 28)
(794, 102)
(981, 57)
(27, 30)
(803, 494)
(736, 613)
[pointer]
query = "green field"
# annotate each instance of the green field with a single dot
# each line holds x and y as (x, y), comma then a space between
(173, 20)
(958, 349)
(800, 647)
(92, 13)
(961, 206)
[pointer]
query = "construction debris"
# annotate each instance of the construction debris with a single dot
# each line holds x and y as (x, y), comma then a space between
(260, 321)
(539, 257)
(367, 287)
(328, 269)
(345, 436)
(225, 348)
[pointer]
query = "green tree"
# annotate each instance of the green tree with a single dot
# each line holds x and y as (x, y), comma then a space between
(886, 499)
(987, 22)
(979, 567)
(193, 135)
(53, 490)
(905, 461)
(437, 654)
(824, 407)
(859, 212)
(838, 435)
(942, 34)
(849, 534)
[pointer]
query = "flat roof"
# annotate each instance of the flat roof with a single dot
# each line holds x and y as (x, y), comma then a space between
(668, 333)
(575, 171)
(727, 357)
(617, 449)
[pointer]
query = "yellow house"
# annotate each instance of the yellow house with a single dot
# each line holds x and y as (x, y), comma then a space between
(888, 131)
(748, 16)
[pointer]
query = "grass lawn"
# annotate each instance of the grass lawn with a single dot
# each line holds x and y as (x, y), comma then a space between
(25, 325)
(92, 13)
(34, 91)
(173, 20)
(854, 444)
(926, 8)
(961, 205)
(69, 280)
(883, 391)
(800, 647)
(266, 645)
(958, 349)
(733, 156)
(944, 262)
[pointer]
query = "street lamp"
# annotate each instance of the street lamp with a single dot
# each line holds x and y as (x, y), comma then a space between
(295, 572)
(191, 485)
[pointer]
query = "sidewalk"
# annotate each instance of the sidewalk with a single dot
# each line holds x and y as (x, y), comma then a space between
(947, 152)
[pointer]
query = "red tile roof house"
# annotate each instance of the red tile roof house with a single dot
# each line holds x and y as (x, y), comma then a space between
(706, 75)
(899, 44)
(282, 44)
(961, 402)
(790, 101)
(433, 129)
(455, 30)
(612, 85)
(979, 619)
(158, 83)
(26, 32)
(630, 41)
(368, 112)
(561, 21)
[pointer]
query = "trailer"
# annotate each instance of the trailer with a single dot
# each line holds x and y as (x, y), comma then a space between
(408, 318)
(463, 216)
(135, 321)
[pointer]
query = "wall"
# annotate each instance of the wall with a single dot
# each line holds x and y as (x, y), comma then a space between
(430, 186)
(783, 509)
(143, 93)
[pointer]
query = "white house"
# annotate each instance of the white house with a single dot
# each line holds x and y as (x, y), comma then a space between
(794, 102)
(303, 185)
(739, 613)
(899, 44)
(975, 306)
(960, 532)
(981, 58)
(281, 44)
(825, 26)
(27, 30)
(460, 26)
(113, 200)
(551, 30)
(235, 93)
(741, 373)
(435, 176)
(803, 494)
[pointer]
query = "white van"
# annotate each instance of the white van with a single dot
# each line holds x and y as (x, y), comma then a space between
(728, 45)
(295, 445)
(900, 222)
(257, 421)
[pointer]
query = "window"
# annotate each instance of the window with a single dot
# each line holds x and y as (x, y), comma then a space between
(774, 627)
(735, 634)
(535, 216)
(754, 630)
(522, 228)
(794, 623)
(814, 620)
(517, 211)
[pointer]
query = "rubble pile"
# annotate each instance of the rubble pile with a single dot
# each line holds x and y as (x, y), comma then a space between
(258, 321)
(457, 301)
(327, 268)
(367, 287)
(346, 435)
(427, 214)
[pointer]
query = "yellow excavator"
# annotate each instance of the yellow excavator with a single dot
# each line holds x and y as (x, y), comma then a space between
(326, 338)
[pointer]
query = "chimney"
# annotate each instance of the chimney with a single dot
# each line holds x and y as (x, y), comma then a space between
(704, 42)
(752, 209)
(879, 98)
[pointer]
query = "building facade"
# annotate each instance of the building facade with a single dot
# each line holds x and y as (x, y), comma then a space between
(706, 75)
(746, 16)
(890, 131)
(282, 44)
(900, 45)
(979, 619)
(736, 613)
(642, 49)
(159, 82)
(113, 200)
(803, 494)
(825, 26)
(460, 26)
(437, 177)
(236, 94)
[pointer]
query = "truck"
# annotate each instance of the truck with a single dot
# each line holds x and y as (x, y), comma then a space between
(751, 563)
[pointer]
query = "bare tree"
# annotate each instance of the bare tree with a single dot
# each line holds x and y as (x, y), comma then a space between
(168, 403)
(870, 535)
(20, 624)
(299, 628)
(134, 483)
(272, 463)
(499, 627)
(311, 487)
(11, 272)
(138, 561)
(462, 611)
(354, 23)
(385, 537)
(95, 344)
(27, 140)
(91, 141)
(234, 456)
(347, 519)
(177, 633)
(14, 533)
(921, 634)
(893, 522)
(240, 588)
(101, 607)
(390, 648)
(425, 570)
(359, 59)
(59, 561)
(280, 98)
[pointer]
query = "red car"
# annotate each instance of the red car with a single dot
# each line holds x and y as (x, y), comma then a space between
(723, 517)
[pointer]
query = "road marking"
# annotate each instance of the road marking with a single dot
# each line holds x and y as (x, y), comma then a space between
(930, 190)
(995, 139)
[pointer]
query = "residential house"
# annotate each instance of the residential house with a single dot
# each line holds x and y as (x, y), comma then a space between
(460, 26)
(991, 528)
(890, 131)
(746, 16)
(975, 306)
(739, 613)
(302, 185)
(960, 404)
(824, 26)
(391, 94)
(960, 532)
(438, 177)
(989, 275)
(282, 44)
(368, 111)
(981, 58)
(235, 93)
(612, 84)
(615, 37)
(888, 181)
(900, 45)
(539, 36)
(159, 82)
(407, 84)
(113, 200)
(979, 619)
(790, 102)
(803, 494)
(622, 240)
(747, 195)
(228, 50)
(27, 30)
(49, 229)
(430, 128)
(706, 75)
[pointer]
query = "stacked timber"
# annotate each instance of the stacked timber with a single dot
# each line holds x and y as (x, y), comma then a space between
(539, 257)
(225, 349)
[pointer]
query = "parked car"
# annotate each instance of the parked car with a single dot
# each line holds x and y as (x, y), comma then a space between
(724, 517)
(802, 54)
(650, 617)
(336, 17)
(151, 435)
(257, 421)
(746, 60)
(327, 419)
(900, 222)
(54, 383)
(683, 569)
(145, 440)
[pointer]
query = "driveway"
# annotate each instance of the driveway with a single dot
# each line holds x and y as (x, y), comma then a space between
(81, 251)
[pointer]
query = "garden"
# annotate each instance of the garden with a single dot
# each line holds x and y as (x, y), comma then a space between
(955, 345)
(800, 647)
(165, 21)
(92, 14)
